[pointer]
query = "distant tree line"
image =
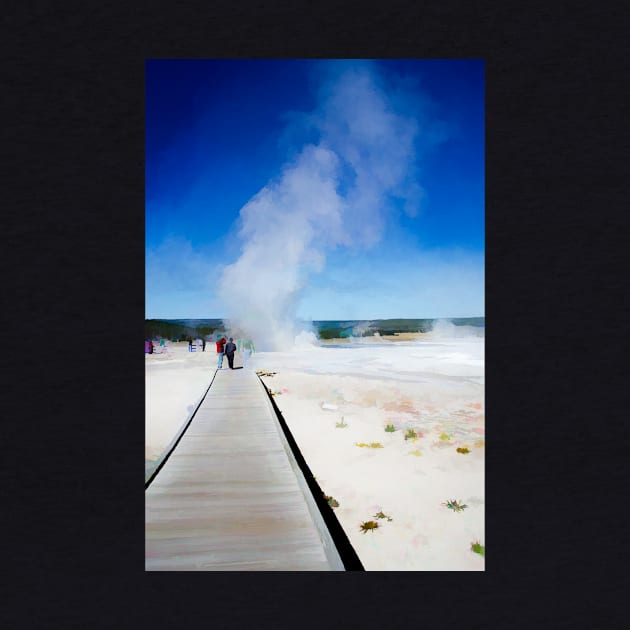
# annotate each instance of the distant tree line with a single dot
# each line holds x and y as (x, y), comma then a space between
(382, 326)
(155, 328)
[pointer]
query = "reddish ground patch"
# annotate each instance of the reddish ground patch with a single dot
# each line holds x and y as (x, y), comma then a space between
(402, 406)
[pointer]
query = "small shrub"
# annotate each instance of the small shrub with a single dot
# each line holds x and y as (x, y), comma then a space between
(476, 547)
(463, 450)
(410, 434)
(341, 425)
(369, 526)
(455, 506)
(381, 515)
(390, 428)
(445, 437)
(416, 452)
(331, 501)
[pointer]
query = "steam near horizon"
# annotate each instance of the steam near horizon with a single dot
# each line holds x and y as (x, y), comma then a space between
(335, 192)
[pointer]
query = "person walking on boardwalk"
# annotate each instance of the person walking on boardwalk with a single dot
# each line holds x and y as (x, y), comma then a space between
(203, 344)
(248, 348)
(230, 349)
(220, 352)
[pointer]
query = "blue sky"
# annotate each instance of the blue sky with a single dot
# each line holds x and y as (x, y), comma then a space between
(338, 189)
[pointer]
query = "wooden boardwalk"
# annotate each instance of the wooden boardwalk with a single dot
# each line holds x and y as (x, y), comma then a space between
(231, 497)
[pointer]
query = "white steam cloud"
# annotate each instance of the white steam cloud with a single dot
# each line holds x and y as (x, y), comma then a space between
(336, 191)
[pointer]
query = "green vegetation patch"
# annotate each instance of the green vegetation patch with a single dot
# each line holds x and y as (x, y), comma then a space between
(368, 526)
(476, 547)
(456, 506)
(390, 428)
(410, 434)
(382, 515)
(329, 333)
(331, 501)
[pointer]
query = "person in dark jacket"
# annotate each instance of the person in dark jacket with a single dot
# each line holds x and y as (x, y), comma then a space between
(230, 349)
(203, 344)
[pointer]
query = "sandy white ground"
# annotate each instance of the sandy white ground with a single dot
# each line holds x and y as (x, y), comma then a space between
(434, 386)
(175, 381)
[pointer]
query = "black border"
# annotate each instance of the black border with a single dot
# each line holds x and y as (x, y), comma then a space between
(73, 168)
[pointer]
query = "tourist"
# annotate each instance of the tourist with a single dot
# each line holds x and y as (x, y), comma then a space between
(230, 348)
(248, 348)
(220, 351)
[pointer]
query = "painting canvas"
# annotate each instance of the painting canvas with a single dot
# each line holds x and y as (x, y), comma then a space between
(314, 333)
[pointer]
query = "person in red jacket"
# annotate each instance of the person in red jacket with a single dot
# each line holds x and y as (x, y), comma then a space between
(220, 352)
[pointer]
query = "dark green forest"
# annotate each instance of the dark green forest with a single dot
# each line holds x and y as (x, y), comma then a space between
(179, 331)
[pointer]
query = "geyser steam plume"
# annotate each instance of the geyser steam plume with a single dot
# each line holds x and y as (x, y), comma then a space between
(335, 192)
